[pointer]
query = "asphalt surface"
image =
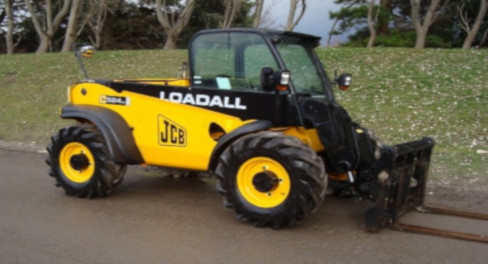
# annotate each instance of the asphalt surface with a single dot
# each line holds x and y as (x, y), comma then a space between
(153, 219)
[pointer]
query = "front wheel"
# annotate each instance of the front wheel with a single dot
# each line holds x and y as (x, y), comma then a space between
(271, 179)
(81, 164)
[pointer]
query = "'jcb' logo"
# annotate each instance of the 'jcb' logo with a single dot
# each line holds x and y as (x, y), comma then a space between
(170, 133)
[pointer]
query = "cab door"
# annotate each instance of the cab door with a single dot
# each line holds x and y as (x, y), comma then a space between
(228, 64)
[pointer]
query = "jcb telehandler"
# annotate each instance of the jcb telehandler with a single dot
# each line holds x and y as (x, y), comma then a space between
(257, 111)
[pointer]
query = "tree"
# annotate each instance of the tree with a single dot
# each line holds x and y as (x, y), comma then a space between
(258, 11)
(422, 22)
(337, 16)
(472, 29)
(261, 16)
(96, 20)
(354, 16)
(391, 22)
(96, 16)
(73, 23)
(210, 14)
(173, 18)
(231, 9)
(19, 28)
(132, 25)
(484, 38)
(3, 12)
(9, 37)
(47, 27)
(384, 16)
(292, 21)
(371, 22)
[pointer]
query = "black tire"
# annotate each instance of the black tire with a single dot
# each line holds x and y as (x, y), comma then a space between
(262, 165)
(81, 164)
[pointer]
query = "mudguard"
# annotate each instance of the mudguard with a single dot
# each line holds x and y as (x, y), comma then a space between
(227, 139)
(115, 131)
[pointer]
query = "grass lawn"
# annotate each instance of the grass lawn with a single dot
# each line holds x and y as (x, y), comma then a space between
(400, 94)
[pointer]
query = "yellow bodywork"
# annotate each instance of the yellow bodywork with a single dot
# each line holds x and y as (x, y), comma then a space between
(170, 134)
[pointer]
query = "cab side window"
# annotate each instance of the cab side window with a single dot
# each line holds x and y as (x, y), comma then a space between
(230, 60)
(257, 57)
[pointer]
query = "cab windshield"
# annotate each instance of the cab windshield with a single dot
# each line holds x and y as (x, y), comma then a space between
(298, 57)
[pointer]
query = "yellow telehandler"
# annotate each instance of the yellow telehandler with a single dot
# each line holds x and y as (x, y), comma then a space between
(258, 112)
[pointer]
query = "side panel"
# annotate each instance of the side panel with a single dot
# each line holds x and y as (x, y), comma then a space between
(307, 136)
(166, 133)
(243, 104)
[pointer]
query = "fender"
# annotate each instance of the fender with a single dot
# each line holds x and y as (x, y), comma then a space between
(227, 139)
(115, 131)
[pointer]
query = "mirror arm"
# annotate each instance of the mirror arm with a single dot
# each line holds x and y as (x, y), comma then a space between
(82, 66)
(78, 48)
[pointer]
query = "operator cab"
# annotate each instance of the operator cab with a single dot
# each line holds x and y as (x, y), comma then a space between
(292, 84)
(258, 61)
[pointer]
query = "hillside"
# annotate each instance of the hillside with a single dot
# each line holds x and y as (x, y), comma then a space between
(401, 94)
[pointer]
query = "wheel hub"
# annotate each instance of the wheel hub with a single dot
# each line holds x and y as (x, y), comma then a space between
(265, 181)
(79, 162)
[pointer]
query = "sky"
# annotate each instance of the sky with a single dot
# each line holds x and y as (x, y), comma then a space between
(315, 21)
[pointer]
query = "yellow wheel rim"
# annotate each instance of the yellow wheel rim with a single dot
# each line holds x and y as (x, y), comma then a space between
(263, 182)
(77, 162)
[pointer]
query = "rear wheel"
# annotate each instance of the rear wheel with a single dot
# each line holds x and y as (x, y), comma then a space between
(271, 179)
(81, 164)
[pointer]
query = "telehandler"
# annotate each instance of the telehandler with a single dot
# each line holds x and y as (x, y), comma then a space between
(258, 112)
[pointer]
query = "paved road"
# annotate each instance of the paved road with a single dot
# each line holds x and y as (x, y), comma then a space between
(150, 219)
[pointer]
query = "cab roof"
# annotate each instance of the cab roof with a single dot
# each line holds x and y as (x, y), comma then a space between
(273, 35)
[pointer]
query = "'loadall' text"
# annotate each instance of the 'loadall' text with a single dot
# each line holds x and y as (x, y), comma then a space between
(204, 100)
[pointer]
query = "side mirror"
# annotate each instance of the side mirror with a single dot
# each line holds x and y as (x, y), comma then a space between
(274, 80)
(86, 51)
(83, 51)
(344, 81)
